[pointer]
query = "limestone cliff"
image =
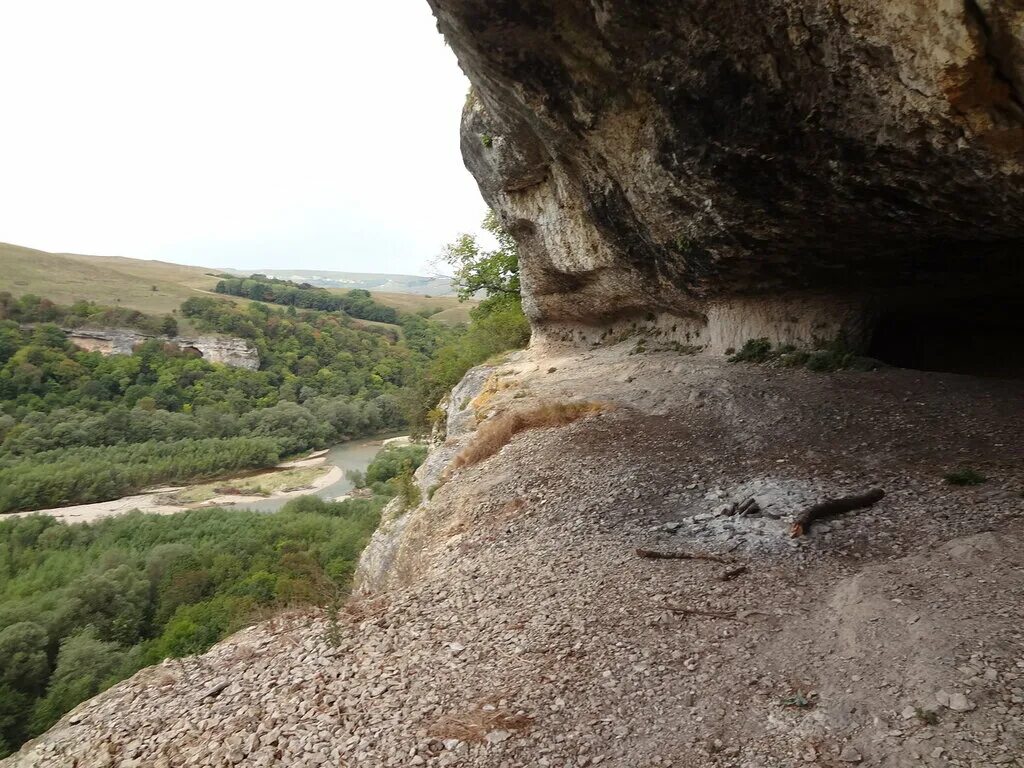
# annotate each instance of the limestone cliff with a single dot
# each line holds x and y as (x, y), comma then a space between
(723, 170)
(216, 349)
(395, 545)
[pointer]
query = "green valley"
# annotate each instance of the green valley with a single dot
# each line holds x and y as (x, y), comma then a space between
(84, 605)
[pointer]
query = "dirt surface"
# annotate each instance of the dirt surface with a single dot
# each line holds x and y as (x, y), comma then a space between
(520, 628)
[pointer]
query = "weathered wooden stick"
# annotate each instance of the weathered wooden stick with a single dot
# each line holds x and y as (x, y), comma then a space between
(748, 507)
(831, 507)
(653, 554)
(214, 690)
(701, 612)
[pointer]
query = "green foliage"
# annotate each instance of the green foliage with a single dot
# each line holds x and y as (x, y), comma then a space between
(408, 492)
(82, 606)
(391, 462)
(800, 699)
(34, 309)
(85, 666)
(322, 381)
(926, 716)
(169, 326)
(753, 351)
(24, 665)
(87, 474)
(86, 605)
(356, 303)
(965, 476)
(834, 355)
(498, 325)
(495, 272)
(392, 473)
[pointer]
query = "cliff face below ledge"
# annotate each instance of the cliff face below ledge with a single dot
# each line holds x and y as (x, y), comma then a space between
(215, 349)
(727, 170)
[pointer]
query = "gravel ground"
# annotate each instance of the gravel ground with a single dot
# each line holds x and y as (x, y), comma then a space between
(518, 627)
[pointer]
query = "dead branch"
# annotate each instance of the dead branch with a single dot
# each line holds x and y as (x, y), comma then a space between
(748, 508)
(653, 554)
(733, 573)
(701, 612)
(214, 690)
(832, 507)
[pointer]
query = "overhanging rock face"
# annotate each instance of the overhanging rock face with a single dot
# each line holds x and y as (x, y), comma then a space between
(724, 169)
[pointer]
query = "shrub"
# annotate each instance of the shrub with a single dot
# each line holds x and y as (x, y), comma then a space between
(795, 359)
(408, 491)
(834, 355)
(391, 462)
(965, 476)
(496, 433)
(753, 351)
(824, 360)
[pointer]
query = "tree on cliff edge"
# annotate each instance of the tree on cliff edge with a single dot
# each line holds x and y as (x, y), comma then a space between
(495, 272)
(497, 323)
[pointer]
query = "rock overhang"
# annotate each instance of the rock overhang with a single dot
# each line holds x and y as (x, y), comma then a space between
(689, 159)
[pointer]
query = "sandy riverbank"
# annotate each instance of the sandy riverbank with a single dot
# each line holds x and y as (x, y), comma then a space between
(154, 502)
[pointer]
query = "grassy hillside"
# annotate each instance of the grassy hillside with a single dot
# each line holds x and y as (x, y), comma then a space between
(64, 278)
(452, 311)
(119, 281)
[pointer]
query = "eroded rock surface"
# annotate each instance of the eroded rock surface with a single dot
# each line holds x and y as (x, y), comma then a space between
(379, 562)
(215, 349)
(726, 170)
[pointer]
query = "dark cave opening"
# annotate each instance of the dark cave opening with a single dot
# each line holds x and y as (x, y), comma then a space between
(978, 335)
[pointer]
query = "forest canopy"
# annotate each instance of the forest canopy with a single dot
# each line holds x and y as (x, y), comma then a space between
(83, 606)
(78, 427)
(356, 303)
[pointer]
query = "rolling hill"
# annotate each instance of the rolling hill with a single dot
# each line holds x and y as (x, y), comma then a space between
(375, 282)
(65, 278)
(159, 287)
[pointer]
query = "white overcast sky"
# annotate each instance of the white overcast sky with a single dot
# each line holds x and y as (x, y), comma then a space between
(235, 133)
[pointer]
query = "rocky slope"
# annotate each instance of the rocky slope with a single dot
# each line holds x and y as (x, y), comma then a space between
(516, 625)
(729, 170)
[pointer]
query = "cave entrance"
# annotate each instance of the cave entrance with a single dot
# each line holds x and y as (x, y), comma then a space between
(979, 335)
(191, 352)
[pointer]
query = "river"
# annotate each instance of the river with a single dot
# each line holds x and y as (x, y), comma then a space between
(353, 455)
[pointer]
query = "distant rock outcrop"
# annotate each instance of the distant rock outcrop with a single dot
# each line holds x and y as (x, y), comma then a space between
(121, 341)
(719, 171)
